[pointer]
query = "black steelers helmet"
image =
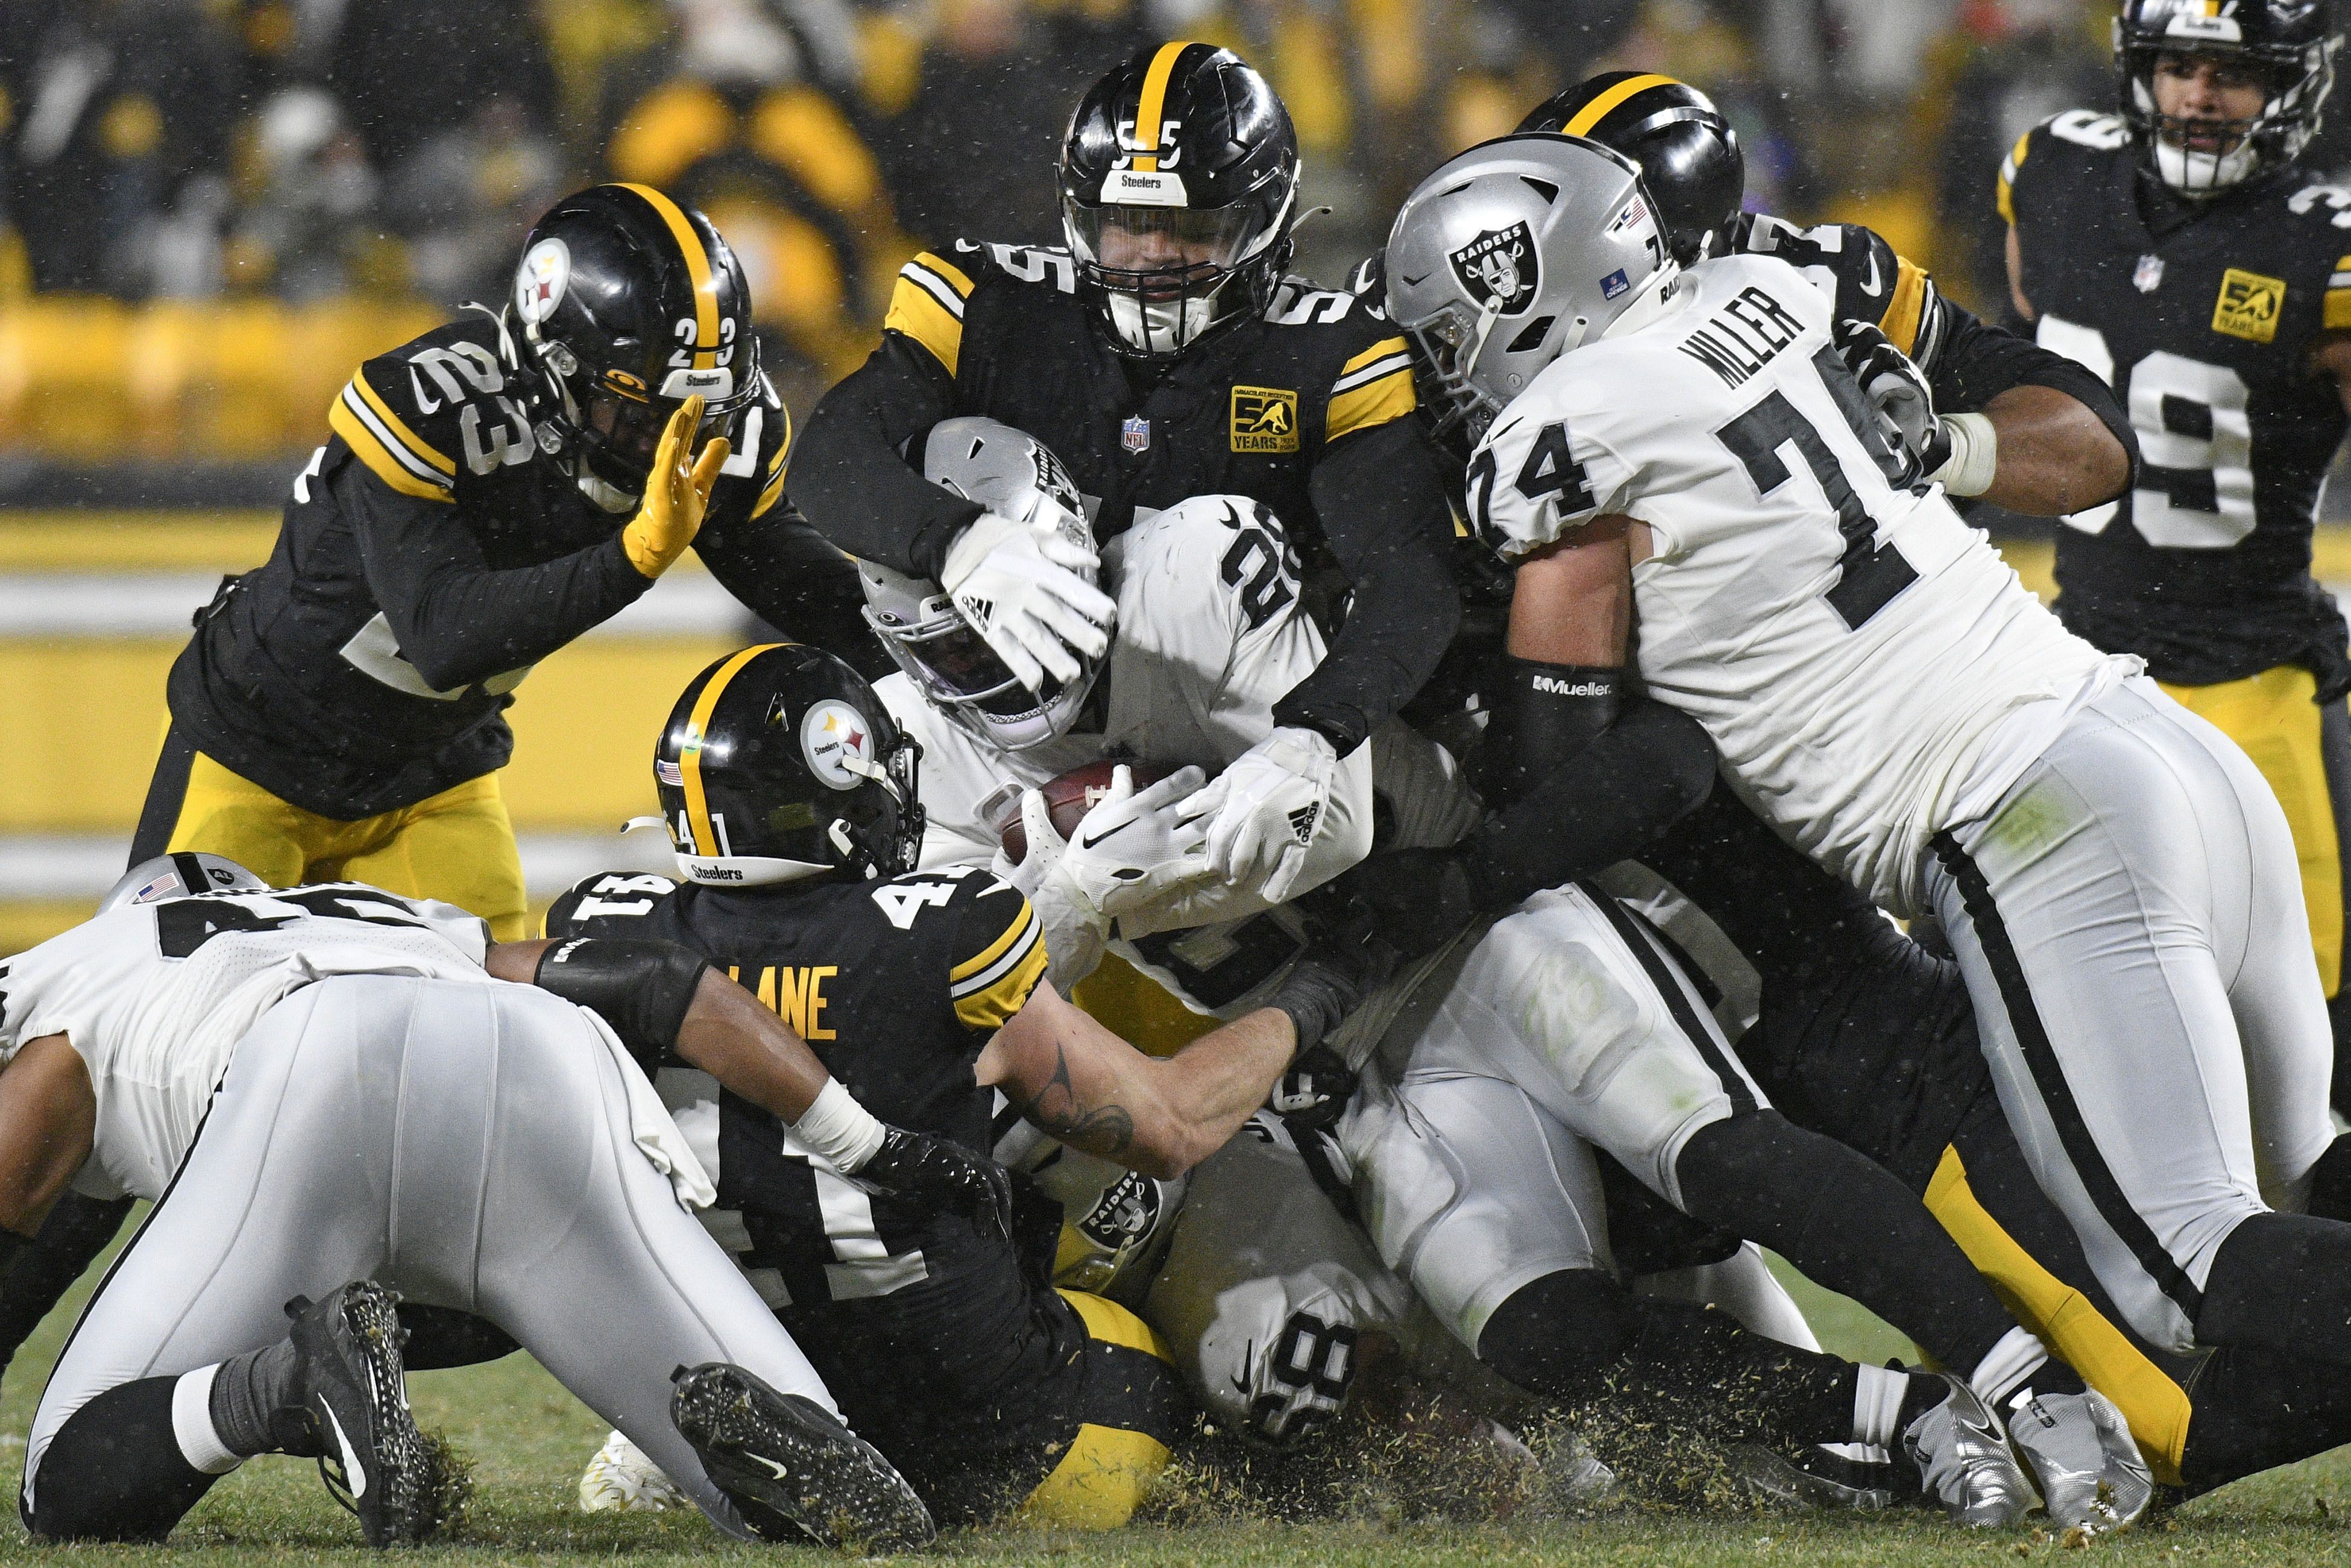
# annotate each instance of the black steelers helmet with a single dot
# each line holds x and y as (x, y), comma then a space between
(1179, 186)
(2288, 43)
(628, 304)
(1688, 154)
(779, 763)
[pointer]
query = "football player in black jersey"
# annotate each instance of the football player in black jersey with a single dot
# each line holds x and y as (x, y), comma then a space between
(1862, 1035)
(490, 491)
(791, 796)
(2180, 249)
(1163, 355)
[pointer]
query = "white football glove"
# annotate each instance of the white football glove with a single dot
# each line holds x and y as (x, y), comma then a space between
(1075, 930)
(1016, 579)
(1135, 846)
(1262, 813)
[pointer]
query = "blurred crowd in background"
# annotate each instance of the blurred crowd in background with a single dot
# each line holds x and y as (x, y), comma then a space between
(184, 183)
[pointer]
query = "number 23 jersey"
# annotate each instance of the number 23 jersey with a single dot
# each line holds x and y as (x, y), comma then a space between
(2203, 317)
(1849, 646)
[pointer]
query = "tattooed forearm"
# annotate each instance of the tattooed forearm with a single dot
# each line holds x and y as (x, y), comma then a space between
(1105, 1130)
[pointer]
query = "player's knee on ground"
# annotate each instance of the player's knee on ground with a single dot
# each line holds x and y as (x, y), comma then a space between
(1558, 1336)
(114, 1471)
(1133, 1413)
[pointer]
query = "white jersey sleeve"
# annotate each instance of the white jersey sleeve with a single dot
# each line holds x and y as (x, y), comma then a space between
(154, 998)
(1543, 471)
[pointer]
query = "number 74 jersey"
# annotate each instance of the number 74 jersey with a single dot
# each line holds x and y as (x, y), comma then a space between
(1849, 645)
(2202, 318)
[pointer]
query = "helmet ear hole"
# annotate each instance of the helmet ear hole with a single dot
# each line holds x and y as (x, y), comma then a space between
(1530, 338)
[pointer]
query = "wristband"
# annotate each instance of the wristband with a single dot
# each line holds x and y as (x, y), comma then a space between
(1975, 454)
(838, 1128)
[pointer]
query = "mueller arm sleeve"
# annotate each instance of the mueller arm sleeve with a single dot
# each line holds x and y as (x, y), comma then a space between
(851, 473)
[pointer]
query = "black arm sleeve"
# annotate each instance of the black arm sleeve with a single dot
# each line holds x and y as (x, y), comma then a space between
(1382, 502)
(643, 989)
(1654, 766)
(455, 618)
(1978, 361)
(794, 578)
(850, 471)
(34, 1273)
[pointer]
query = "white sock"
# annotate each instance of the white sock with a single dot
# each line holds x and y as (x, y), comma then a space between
(1878, 1404)
(2007, 1365)
(192, 1423)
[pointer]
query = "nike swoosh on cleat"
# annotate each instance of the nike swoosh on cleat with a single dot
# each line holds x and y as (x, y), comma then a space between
(354, 1473)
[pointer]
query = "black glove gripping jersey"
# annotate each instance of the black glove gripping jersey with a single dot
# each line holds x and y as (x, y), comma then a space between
(942, 1348)
(2203, 316)
(428, 557)
(1305, 410)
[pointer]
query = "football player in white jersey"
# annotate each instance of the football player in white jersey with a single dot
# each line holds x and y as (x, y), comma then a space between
(1210, 632)
(328, 1094)
(1688, 449)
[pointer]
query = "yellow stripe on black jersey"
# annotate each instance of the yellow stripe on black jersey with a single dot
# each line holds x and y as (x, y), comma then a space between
(927, 306)
(773, 491)
(1372, 388)
(397, 455)
(1908, 307)
(995, 983)
(2339, 296)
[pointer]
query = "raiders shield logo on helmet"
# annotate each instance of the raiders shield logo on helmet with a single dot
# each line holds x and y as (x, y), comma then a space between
(1499, 269)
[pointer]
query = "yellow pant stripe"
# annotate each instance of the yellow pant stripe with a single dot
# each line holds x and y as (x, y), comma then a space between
(1113, 1324)
(2272, 718)
(1099, 1482)
(2067, 1320)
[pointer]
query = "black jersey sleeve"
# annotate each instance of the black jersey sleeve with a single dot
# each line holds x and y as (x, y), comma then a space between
(609, 903)
(1380, 496)
(456, 618)
(997, 954)
(853, 479)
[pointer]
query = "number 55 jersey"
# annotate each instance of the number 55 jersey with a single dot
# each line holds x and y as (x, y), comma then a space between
(2202, 315)
(1864, 660)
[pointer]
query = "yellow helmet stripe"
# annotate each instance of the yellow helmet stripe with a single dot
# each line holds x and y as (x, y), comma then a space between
(698, 267)
(1600, 107)
(1152, 107)
(689, 757)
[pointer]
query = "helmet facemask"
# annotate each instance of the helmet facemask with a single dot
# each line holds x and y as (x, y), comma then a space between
(2198, 157)
(1168, 276)
(954, 670)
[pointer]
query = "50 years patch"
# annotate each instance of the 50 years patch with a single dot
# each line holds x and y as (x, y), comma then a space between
(1265, 419)
(2249, 305)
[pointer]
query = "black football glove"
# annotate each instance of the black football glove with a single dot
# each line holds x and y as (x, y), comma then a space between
(1315, 1090)
(1329, 979)
(1897, 390)
(943, 1175)
(1415, 900)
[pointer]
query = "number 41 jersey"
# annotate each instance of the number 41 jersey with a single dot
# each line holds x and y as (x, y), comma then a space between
(1849, 646)
(2203, 317)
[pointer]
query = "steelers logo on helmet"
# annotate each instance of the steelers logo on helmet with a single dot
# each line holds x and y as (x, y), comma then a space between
(1499, 269)
(838, 742)
(540, 280)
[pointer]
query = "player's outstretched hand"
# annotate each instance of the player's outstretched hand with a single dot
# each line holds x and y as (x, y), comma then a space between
(943, 1175)
(1260, 813)
(677, 493)
(1897, 390)
(1017, 581)
(1137, 845)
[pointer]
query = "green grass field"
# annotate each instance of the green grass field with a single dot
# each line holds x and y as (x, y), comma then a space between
(528, 1438)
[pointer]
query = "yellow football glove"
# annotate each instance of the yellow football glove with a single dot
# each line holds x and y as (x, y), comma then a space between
(675, 494)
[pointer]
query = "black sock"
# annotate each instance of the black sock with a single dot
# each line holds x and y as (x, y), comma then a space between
(1576, 1336)
(2330, 1181)
(256, 1403)
(2282, 1281)
(114, 1471)
(2254, 1410)
(1848, 1224)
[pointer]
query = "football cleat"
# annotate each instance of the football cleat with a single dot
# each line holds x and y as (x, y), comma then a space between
(2080, 1449)
(791, 1466)
(622, 1478)
(1961, 1452)
(1814, 1479)
(372, 1457)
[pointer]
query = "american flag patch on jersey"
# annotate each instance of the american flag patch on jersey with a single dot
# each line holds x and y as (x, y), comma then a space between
(669, 773)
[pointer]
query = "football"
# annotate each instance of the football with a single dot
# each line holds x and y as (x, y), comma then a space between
(1070, 796)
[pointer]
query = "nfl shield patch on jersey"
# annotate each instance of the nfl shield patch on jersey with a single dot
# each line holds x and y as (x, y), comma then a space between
(1135, 434)
(2249, 305)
